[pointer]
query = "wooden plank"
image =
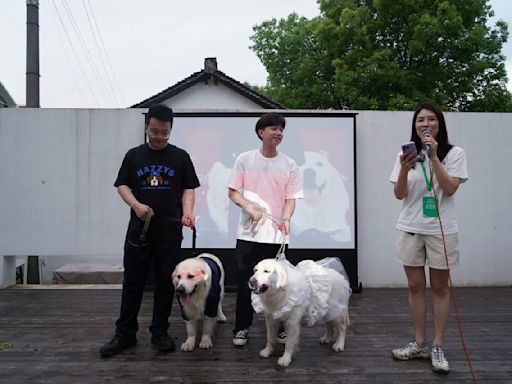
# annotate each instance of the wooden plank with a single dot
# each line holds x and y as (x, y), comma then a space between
(56, 334)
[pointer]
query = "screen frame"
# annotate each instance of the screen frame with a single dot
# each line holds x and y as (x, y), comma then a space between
(347, 255)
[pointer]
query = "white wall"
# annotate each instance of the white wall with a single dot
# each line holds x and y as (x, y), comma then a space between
(210, 96)
(57, 169)
(59, 166)
(483, 203)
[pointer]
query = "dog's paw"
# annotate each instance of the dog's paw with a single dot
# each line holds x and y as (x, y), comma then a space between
(338, 347)
(187, 346)
(221, 318)
(284, 361)
(325, 339)
(205, 343)
(266, 352)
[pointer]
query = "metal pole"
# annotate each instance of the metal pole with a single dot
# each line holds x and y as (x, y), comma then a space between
(32, 75)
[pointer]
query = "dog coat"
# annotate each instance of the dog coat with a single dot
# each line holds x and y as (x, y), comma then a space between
(213, 298)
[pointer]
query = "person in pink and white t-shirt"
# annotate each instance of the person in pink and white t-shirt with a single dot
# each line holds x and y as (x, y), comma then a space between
(264, 183)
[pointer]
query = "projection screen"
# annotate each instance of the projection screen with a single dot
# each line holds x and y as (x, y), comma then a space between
(322, 144)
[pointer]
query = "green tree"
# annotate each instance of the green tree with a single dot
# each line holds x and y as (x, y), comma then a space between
(387, 54)
(300, 71)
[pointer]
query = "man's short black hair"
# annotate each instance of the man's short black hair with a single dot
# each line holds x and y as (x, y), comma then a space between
(270, 119)
(160, 112)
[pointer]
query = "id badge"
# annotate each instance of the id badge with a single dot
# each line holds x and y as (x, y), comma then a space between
(429, 206)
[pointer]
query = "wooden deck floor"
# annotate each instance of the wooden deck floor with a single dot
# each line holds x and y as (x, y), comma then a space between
(55, 336)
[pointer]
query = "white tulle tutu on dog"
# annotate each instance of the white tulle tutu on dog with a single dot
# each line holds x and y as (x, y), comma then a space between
(310, 289)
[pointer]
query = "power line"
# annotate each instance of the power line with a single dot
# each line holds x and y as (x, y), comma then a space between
(87, 53)
(106, 51)
(100, 54)
(70, 65)
(75, 54)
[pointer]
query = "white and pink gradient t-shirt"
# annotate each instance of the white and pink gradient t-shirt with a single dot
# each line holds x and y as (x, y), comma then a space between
(267, 182)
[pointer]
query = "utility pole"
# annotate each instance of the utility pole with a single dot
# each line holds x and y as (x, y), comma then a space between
(32, 98)
(32, 75)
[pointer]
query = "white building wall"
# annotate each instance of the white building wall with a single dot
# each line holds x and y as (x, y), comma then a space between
(57, 168)
(483, 203)
(210, 96)
(57, 198)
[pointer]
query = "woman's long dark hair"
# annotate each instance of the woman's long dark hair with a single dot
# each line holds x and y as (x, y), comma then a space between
(443, 145)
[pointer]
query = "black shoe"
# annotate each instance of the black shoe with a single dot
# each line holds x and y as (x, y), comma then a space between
(117, 345)
(163, 342)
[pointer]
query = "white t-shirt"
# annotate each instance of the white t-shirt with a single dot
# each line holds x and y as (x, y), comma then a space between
(411, 217)
(267, 182)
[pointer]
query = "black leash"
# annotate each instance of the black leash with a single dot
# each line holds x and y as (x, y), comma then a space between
(144, 231)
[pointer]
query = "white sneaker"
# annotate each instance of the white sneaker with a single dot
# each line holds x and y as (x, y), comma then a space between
(438, 361)
(281, 337)
(411, 351)
(241, 337)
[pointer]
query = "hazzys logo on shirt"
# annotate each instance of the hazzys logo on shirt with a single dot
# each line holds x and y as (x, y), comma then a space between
(155, 177)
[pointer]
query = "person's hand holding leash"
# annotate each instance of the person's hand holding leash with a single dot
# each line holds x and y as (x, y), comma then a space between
(284, 226)
(142, 210)
(255, 212)
(188, 221)
(257, 216)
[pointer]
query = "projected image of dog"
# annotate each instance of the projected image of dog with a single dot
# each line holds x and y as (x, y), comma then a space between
(199, 286)
(287, 294)
(326, 200)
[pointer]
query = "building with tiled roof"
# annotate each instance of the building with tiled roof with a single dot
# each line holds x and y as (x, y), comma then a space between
(210, 89)
(6, 101)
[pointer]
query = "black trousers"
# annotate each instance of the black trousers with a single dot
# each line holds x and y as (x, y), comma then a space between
(137, 261)
(247, 255)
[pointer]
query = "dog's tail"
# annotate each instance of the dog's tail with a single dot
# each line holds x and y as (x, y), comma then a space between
(336, 264)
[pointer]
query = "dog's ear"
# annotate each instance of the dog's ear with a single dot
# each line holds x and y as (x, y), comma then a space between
(324, 153)
(200, 275)
(204, 273)
(282, 277)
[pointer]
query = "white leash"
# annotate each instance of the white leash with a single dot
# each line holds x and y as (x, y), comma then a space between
(253, 226)
(280, 253)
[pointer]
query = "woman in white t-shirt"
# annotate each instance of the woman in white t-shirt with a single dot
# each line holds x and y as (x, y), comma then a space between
(426, 183)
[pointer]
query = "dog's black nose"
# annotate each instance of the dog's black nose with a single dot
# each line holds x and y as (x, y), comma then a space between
(180, 289)
(253, 283)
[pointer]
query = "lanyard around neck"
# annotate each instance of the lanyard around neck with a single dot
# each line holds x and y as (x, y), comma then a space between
(427, 181)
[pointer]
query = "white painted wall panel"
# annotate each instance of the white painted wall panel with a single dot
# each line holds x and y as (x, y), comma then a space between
(58, 166)
(202, 96)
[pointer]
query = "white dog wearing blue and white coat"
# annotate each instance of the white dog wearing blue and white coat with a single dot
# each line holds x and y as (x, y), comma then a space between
(199, 285)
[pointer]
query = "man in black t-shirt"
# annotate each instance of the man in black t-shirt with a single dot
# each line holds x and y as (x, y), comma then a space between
(157, 180)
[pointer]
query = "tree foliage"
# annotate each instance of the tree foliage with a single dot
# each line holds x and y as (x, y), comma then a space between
(387, 55)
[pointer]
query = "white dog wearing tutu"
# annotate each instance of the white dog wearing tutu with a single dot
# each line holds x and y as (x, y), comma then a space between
(314, 290)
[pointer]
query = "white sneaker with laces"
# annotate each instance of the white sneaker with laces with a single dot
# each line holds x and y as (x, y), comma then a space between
(241, 337)
(281, 337)
(438, 361)
(411, 351)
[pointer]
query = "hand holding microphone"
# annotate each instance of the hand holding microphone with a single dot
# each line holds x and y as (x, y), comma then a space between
(430, 143)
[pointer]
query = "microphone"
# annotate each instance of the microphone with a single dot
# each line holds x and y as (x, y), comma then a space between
(427, 133)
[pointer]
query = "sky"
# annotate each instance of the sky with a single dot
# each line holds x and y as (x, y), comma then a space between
(113, 53)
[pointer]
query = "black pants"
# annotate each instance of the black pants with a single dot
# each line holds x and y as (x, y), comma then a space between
(137, 261)
(247, 255)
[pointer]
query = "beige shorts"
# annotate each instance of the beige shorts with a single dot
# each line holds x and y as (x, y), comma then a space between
(413, 250)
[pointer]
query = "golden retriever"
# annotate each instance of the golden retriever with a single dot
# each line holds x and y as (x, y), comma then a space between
(288, 294)
(199, 286)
